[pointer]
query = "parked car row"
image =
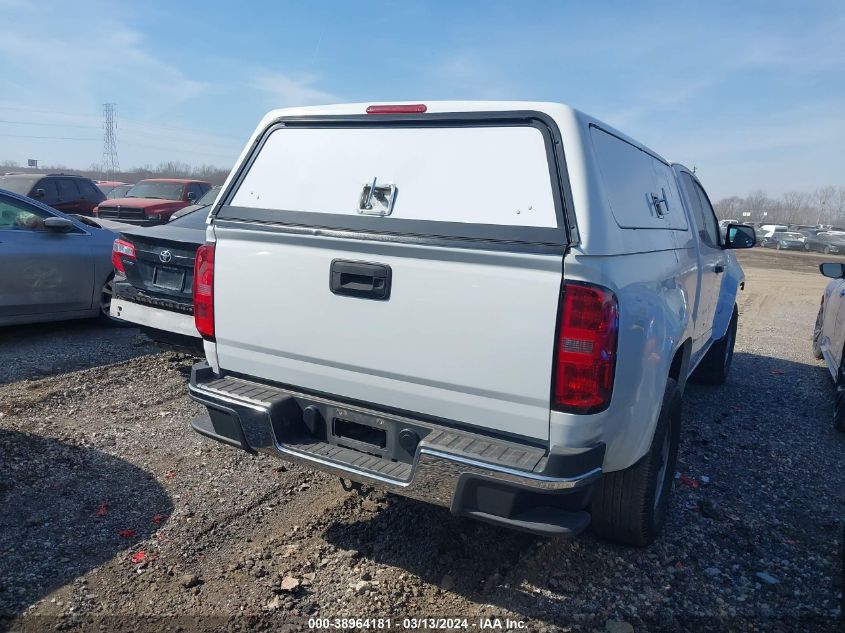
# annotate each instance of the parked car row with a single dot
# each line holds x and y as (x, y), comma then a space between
(781, 237)
(825, 242)
(151, 201)
(64, 263)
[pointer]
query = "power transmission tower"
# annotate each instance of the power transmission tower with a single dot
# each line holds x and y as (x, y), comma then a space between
(110, 163)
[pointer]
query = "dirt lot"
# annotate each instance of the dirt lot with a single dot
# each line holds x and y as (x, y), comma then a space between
(116, 515)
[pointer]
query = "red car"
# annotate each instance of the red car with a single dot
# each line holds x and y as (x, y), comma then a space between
(153, 201)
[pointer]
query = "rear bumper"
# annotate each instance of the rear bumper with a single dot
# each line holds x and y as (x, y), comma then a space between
(488, 478)
(154, 318)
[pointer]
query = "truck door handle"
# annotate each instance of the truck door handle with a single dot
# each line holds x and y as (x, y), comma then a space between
(364, 280)
(718, 268)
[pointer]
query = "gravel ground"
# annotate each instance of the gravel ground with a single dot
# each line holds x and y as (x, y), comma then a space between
(116, 516)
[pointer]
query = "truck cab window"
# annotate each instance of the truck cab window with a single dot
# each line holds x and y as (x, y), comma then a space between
(705, 219)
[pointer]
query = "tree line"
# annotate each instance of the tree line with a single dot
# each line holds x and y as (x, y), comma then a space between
(824, 206)
(170, 169)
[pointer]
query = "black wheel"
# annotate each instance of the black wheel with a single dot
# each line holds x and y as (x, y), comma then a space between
(630, 505)
(716, 364)
(817, 333)
(105, 316)
(842, 571)
(839, 408)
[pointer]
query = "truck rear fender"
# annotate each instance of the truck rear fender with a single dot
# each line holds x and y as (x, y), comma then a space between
(654, 320)
(734, 277)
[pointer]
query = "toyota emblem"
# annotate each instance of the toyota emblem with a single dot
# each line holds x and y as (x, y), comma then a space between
(165, 256)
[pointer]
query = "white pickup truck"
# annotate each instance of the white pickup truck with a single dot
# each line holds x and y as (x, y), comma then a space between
(491, 306)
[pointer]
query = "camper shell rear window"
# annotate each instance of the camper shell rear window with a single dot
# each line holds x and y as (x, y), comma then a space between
(490, 179)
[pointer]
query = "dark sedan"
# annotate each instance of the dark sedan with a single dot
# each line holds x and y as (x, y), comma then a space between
(154, 272)
(785, 241)
(827, 243)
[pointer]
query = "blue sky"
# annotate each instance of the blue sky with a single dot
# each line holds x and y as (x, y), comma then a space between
(751, 93)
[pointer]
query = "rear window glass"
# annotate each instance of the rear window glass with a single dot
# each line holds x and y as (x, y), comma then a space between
(482, 175)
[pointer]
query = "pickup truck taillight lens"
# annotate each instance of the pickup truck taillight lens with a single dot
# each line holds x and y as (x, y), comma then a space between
(204, 291)
(121, 249)
(585, 354)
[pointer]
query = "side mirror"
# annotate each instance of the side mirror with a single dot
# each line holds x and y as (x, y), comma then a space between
(740, 236)
(39, 193)
(832, 270)
(192, 197)
(59, 225)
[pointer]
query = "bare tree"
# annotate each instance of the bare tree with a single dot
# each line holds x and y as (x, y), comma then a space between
(795, 207)
(730, 208)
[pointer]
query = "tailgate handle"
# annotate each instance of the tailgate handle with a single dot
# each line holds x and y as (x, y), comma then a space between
(360, 279)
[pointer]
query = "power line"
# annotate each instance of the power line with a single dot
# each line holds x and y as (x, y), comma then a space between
(231, 156)
(187, 133)
(28, 109)
(48, 124)
(53, 138)
(136, 122)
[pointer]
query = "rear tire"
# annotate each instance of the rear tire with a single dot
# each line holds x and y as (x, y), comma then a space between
(827, 250)
(716, 364)
(630, 505)
(105, 317)
(839, 409)
(817, 333)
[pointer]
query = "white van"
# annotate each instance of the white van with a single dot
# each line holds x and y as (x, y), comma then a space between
(769, 229)
(491, 306)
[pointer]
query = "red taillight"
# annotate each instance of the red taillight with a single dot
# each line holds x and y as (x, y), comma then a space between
(204, 291)
(410, 108)
(121, 249)
(585, 354)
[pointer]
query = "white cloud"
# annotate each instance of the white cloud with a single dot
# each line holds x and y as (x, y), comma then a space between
(284, 90)
(78, 57)
(466, 74)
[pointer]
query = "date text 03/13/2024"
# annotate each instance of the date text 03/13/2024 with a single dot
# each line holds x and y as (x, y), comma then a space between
(433, 624)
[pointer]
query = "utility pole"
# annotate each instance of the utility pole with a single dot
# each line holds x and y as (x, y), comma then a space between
(110, 165)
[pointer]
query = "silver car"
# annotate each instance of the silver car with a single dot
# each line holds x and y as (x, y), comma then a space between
(54, 266)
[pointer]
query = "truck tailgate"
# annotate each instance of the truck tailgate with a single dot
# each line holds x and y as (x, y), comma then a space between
(466, 335)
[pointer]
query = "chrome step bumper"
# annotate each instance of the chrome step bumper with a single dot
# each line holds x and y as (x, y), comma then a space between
(446, 466)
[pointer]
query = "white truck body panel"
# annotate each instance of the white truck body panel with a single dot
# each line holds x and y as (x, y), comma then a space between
(468, 334)
(450, 342)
